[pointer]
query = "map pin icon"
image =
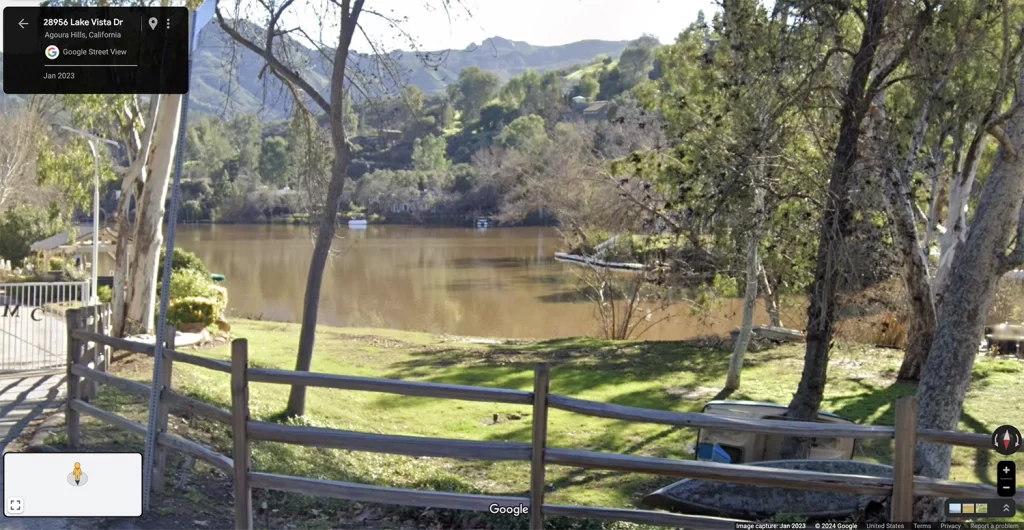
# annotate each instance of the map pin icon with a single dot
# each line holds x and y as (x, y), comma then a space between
(153, 22)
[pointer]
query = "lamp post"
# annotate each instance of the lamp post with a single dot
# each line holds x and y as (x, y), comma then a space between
(94, 298)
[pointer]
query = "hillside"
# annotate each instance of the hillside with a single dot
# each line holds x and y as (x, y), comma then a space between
(214, 92)
(432, 72)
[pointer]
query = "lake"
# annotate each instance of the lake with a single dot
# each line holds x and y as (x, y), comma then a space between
(499, 282)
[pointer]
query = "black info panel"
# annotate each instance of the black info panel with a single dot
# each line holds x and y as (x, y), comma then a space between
(96, 50)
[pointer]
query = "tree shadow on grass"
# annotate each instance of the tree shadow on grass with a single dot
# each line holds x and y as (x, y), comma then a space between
(873, 406)
(873, 401)
(612, 440)
(577, 366)
(982, 457)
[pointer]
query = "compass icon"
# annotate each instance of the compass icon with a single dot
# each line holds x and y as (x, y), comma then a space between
(1006, 440)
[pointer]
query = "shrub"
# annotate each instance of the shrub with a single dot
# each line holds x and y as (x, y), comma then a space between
(190, 283)
(181, 260)
(56, 264)
(105, 294)
(220, 296)
(192, 309)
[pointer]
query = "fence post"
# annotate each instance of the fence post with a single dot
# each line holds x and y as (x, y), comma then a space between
(903, 460)
(160, 452)
(103, 363)
(71, 416)
(90, 357)
(541, 377)
(239, 421)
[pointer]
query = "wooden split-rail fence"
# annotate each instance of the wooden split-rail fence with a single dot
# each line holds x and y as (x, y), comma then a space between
(903, 486)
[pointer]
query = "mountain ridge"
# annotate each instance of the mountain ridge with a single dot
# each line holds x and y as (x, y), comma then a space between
(431, 71)
(213, 92)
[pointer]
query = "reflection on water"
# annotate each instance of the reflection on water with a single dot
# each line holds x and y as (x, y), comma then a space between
(498, 282)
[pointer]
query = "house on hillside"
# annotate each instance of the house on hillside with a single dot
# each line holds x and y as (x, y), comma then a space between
(582, 110)
(597, 111)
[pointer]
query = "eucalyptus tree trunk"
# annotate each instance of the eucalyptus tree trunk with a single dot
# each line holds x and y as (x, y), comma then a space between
(149, 216)
(132, 185)
(973, 278)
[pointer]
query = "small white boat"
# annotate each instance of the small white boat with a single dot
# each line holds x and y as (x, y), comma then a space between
(357, 223)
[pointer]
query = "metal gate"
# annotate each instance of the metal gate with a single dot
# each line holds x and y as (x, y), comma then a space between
(33, 333)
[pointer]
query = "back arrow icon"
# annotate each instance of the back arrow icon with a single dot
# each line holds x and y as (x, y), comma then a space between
(22, 23)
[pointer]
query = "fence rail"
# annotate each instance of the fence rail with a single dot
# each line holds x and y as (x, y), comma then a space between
(903, 485)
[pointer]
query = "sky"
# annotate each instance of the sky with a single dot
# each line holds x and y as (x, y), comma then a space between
(538, 22)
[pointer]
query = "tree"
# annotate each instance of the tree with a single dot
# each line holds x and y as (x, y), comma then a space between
(588, 87)
(522, 132)
(474, 89)
(739, 154)
(149, 139)
(342, 17)
(66, 165)
(148, 238)
(413, 98)
(245, 132)
(20, 226)
(955, 86)
(429, 154)
(983, 257)
(208, 148)
(275, 161)
(862, 84)
(977, 268)
(634, 63)
(18, 142)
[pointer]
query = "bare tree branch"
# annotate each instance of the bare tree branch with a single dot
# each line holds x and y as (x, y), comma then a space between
(276, 65)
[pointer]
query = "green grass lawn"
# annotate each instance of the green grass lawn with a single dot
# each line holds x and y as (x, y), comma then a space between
(657, 375)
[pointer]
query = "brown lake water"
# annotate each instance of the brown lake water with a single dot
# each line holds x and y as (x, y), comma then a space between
(501, 282)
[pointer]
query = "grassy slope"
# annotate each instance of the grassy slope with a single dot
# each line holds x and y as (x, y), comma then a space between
(645, 374)
(594, 69)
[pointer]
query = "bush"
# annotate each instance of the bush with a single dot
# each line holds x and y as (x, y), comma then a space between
(220, 296)
(56, 264)
(182, 260)
(105, 294)
(192, 309)
(188, 283)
